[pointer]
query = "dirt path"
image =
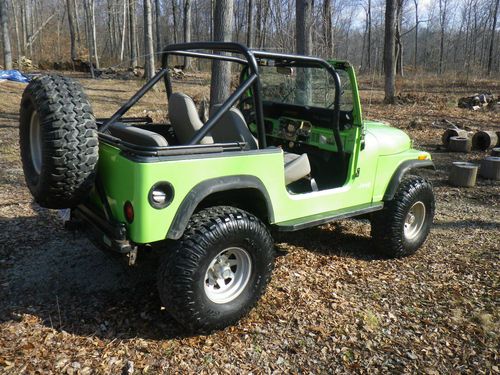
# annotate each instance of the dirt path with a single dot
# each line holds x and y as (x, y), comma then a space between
(333, 305)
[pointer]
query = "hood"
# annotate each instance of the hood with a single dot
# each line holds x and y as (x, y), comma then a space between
(390, 140)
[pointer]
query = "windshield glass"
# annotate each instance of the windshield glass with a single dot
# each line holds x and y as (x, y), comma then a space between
(305, 86)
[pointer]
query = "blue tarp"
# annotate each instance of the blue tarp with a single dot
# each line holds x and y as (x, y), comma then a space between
(13, 75)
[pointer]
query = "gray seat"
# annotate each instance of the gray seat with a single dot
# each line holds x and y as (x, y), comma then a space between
(232, 127)
(137, 136)
(184, 118)
(296, 167)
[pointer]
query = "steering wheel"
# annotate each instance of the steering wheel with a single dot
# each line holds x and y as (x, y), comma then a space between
(247, 109)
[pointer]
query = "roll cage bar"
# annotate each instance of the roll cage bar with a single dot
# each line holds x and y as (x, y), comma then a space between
(251, 62)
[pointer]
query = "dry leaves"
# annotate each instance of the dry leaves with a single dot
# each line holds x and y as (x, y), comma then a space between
(333, 304)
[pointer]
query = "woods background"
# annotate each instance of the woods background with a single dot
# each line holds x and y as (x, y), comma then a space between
(429, 35)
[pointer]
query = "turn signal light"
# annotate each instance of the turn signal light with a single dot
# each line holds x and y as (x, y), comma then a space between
(422, 157)
(128, 209)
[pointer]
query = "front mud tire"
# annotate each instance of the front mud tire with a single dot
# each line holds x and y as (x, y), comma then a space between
(405, 222)
(218, 270)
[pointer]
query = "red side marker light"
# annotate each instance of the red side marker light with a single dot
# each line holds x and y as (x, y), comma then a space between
(128, 209)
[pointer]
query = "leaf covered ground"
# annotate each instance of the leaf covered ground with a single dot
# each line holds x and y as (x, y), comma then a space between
(333, 306)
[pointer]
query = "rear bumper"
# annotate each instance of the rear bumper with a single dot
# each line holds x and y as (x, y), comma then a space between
(103, 233)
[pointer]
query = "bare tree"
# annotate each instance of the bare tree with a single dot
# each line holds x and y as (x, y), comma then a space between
(124, 30)
(149, 58)
(303, 25)
(158, 27)
(187, 30)
(250, 24)
(16, 28)
(4, 21)
(328, 27)
(443, 9)
(389, 48)
(132, 33)
(221, 70)
(93, 32)
(72, 31)
(492, 39)
(174, 16)
(415, 53)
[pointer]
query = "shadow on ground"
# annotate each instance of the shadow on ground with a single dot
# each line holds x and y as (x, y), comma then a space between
(60, 277)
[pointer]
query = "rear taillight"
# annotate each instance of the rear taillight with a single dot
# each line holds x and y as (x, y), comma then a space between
(128, 209)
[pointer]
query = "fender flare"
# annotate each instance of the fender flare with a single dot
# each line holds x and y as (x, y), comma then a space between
(208, 187)
(398, 175)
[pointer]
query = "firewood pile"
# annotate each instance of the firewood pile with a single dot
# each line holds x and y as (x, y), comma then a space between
(479, 101)
(24, 64)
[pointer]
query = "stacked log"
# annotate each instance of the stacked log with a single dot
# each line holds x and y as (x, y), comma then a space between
(452, 132)
(463, 174)
(490, 168)
(484, 140)
(460, 144)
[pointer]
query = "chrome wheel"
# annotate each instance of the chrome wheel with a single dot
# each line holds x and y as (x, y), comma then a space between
(414, 221)
(228, 275)
(36, 142)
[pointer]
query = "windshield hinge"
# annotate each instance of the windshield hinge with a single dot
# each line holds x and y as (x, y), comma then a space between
(358, 170)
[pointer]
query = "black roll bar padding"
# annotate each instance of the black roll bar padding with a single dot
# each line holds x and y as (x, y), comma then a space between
(224, 108)
(134, 99)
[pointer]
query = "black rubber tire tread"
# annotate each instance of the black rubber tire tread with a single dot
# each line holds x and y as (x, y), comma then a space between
(387, 225)
(69, 141)
(180, 270)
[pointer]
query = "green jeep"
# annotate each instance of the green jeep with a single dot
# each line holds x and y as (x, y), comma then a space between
(287, 150)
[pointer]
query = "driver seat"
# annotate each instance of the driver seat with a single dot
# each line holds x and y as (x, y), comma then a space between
(232, 127)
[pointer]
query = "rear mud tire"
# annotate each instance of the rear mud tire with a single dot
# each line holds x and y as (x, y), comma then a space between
(59, 141)
(183, 284)
(404, 224)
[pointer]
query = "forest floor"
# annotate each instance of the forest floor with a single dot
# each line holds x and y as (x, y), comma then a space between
(333, 304)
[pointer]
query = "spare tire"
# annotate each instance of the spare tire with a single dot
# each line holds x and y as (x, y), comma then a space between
(59, 141)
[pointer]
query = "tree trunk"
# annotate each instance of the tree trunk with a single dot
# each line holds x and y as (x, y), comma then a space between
(369, 42)
(149, 58)
(303, 24)
(492, 39)
(187, 30)
(124, 30)
(399, 38)
(4, 21)
(89, 36)
(221, 70)
(174, 16)
(72, 33)
(250, 24)
(443, 4)
(132, 33)
(389, 46)
(93, 32)
(77, 22)
(16, 27)
(415, 53)
(327, 25)
(158, 26)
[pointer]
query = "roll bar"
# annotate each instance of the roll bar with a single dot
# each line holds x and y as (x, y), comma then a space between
(250, 61)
